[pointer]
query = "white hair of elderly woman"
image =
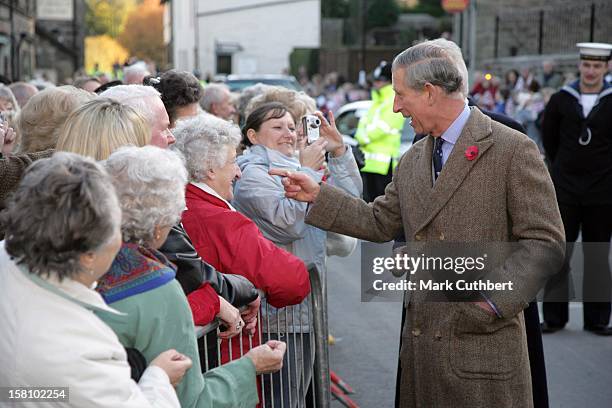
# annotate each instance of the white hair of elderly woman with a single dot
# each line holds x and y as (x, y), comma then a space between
(204, 141)
(136, 96)
(150, 184)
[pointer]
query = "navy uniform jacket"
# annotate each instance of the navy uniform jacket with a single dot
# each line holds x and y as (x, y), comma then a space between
(579, 148)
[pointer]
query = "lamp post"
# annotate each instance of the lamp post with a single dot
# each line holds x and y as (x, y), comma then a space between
(364, 20)
(14, 73)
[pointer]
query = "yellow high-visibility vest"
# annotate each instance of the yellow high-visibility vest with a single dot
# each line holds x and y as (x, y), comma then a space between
(379, 132)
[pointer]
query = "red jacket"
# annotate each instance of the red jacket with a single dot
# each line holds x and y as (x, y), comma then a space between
(232, 243)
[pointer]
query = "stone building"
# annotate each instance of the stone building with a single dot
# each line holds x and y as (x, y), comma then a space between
(60, 37)
(17, 38)
(526, 32)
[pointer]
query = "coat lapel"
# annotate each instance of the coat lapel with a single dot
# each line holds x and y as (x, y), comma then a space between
(424, 174)
(455, 170)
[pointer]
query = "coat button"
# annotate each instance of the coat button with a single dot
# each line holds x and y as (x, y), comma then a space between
(441, 236)
(438, 336)
(416, 332)
(418, 237)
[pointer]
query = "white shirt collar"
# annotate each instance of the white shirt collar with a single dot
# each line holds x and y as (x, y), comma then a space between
(208, 189)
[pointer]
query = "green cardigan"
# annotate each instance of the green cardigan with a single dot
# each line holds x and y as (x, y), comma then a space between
(160, 319)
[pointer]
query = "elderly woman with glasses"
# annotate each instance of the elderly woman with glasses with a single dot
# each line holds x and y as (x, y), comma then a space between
(150, 185)
(63, 231)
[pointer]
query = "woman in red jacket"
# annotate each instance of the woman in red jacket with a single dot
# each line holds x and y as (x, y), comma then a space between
(223, 237)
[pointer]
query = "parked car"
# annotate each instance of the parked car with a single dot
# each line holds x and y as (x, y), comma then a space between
(347, 120)
(237, 83)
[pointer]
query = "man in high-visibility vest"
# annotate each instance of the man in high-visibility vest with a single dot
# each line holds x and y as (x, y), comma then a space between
(379, 134)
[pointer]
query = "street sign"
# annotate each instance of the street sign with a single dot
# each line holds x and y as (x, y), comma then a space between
(54, 10)
(455, 6)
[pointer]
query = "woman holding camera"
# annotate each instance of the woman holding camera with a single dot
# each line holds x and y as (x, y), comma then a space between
(271, 134)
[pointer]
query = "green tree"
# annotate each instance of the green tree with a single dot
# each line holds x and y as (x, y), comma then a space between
(334, 8)
(431, 7)
(382, 13)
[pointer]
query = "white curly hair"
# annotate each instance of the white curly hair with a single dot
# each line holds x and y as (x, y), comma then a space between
(150, 184)
(204, 142)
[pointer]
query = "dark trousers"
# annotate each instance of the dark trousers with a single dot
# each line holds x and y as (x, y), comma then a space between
(374, 184)
(596, 225)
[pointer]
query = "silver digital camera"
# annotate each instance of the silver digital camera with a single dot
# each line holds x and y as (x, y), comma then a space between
(311, 125)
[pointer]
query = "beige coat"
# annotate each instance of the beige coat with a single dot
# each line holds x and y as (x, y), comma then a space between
(457, 354)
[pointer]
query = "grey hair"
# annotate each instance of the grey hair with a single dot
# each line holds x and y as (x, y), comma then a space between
(150, 183)
(64, 207)
(429, 63)
(136, 69)
(213, 93)
(135, 96)
(454, 53)
(7, 94)
(23, 92)
(248, 94)
(204, 141)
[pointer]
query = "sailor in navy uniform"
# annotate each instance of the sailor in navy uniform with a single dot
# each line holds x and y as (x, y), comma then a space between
(577, 137)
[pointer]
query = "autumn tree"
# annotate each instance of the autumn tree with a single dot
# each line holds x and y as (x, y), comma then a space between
(143, 32)
(103, 51)
(107, 17)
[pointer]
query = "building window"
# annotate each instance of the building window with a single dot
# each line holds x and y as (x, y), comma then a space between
(224, 64)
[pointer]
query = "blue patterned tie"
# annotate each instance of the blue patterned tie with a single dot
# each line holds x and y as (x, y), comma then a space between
(437, 156)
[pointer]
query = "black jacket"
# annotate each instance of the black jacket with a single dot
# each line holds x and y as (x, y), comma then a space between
(579, 148)
(192, 272)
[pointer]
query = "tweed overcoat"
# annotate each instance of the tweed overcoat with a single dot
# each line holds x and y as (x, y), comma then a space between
(455, 354)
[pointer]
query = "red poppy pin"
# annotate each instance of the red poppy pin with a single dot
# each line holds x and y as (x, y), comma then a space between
(471, 152)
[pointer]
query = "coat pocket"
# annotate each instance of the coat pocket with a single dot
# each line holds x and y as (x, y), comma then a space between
(483, 346)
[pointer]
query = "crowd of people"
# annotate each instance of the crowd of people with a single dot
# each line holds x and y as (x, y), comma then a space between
(135, 210)
(119, 199)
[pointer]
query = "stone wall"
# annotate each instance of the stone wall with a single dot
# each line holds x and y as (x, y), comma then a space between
(564, 23)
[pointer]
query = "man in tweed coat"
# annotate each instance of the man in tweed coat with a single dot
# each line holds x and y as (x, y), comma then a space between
(483, 182)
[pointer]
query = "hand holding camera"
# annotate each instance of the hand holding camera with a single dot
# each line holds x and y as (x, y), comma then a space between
(313, 155)
(7, 136)
(329, 132)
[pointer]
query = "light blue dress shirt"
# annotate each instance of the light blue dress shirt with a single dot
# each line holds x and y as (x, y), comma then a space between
(453, 132)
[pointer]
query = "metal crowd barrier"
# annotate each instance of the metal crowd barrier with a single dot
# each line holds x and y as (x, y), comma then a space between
(304, 380)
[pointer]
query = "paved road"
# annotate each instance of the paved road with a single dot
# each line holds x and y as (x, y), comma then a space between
(579, 364)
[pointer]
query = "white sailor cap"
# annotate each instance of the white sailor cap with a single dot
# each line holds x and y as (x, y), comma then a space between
(594, 51)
